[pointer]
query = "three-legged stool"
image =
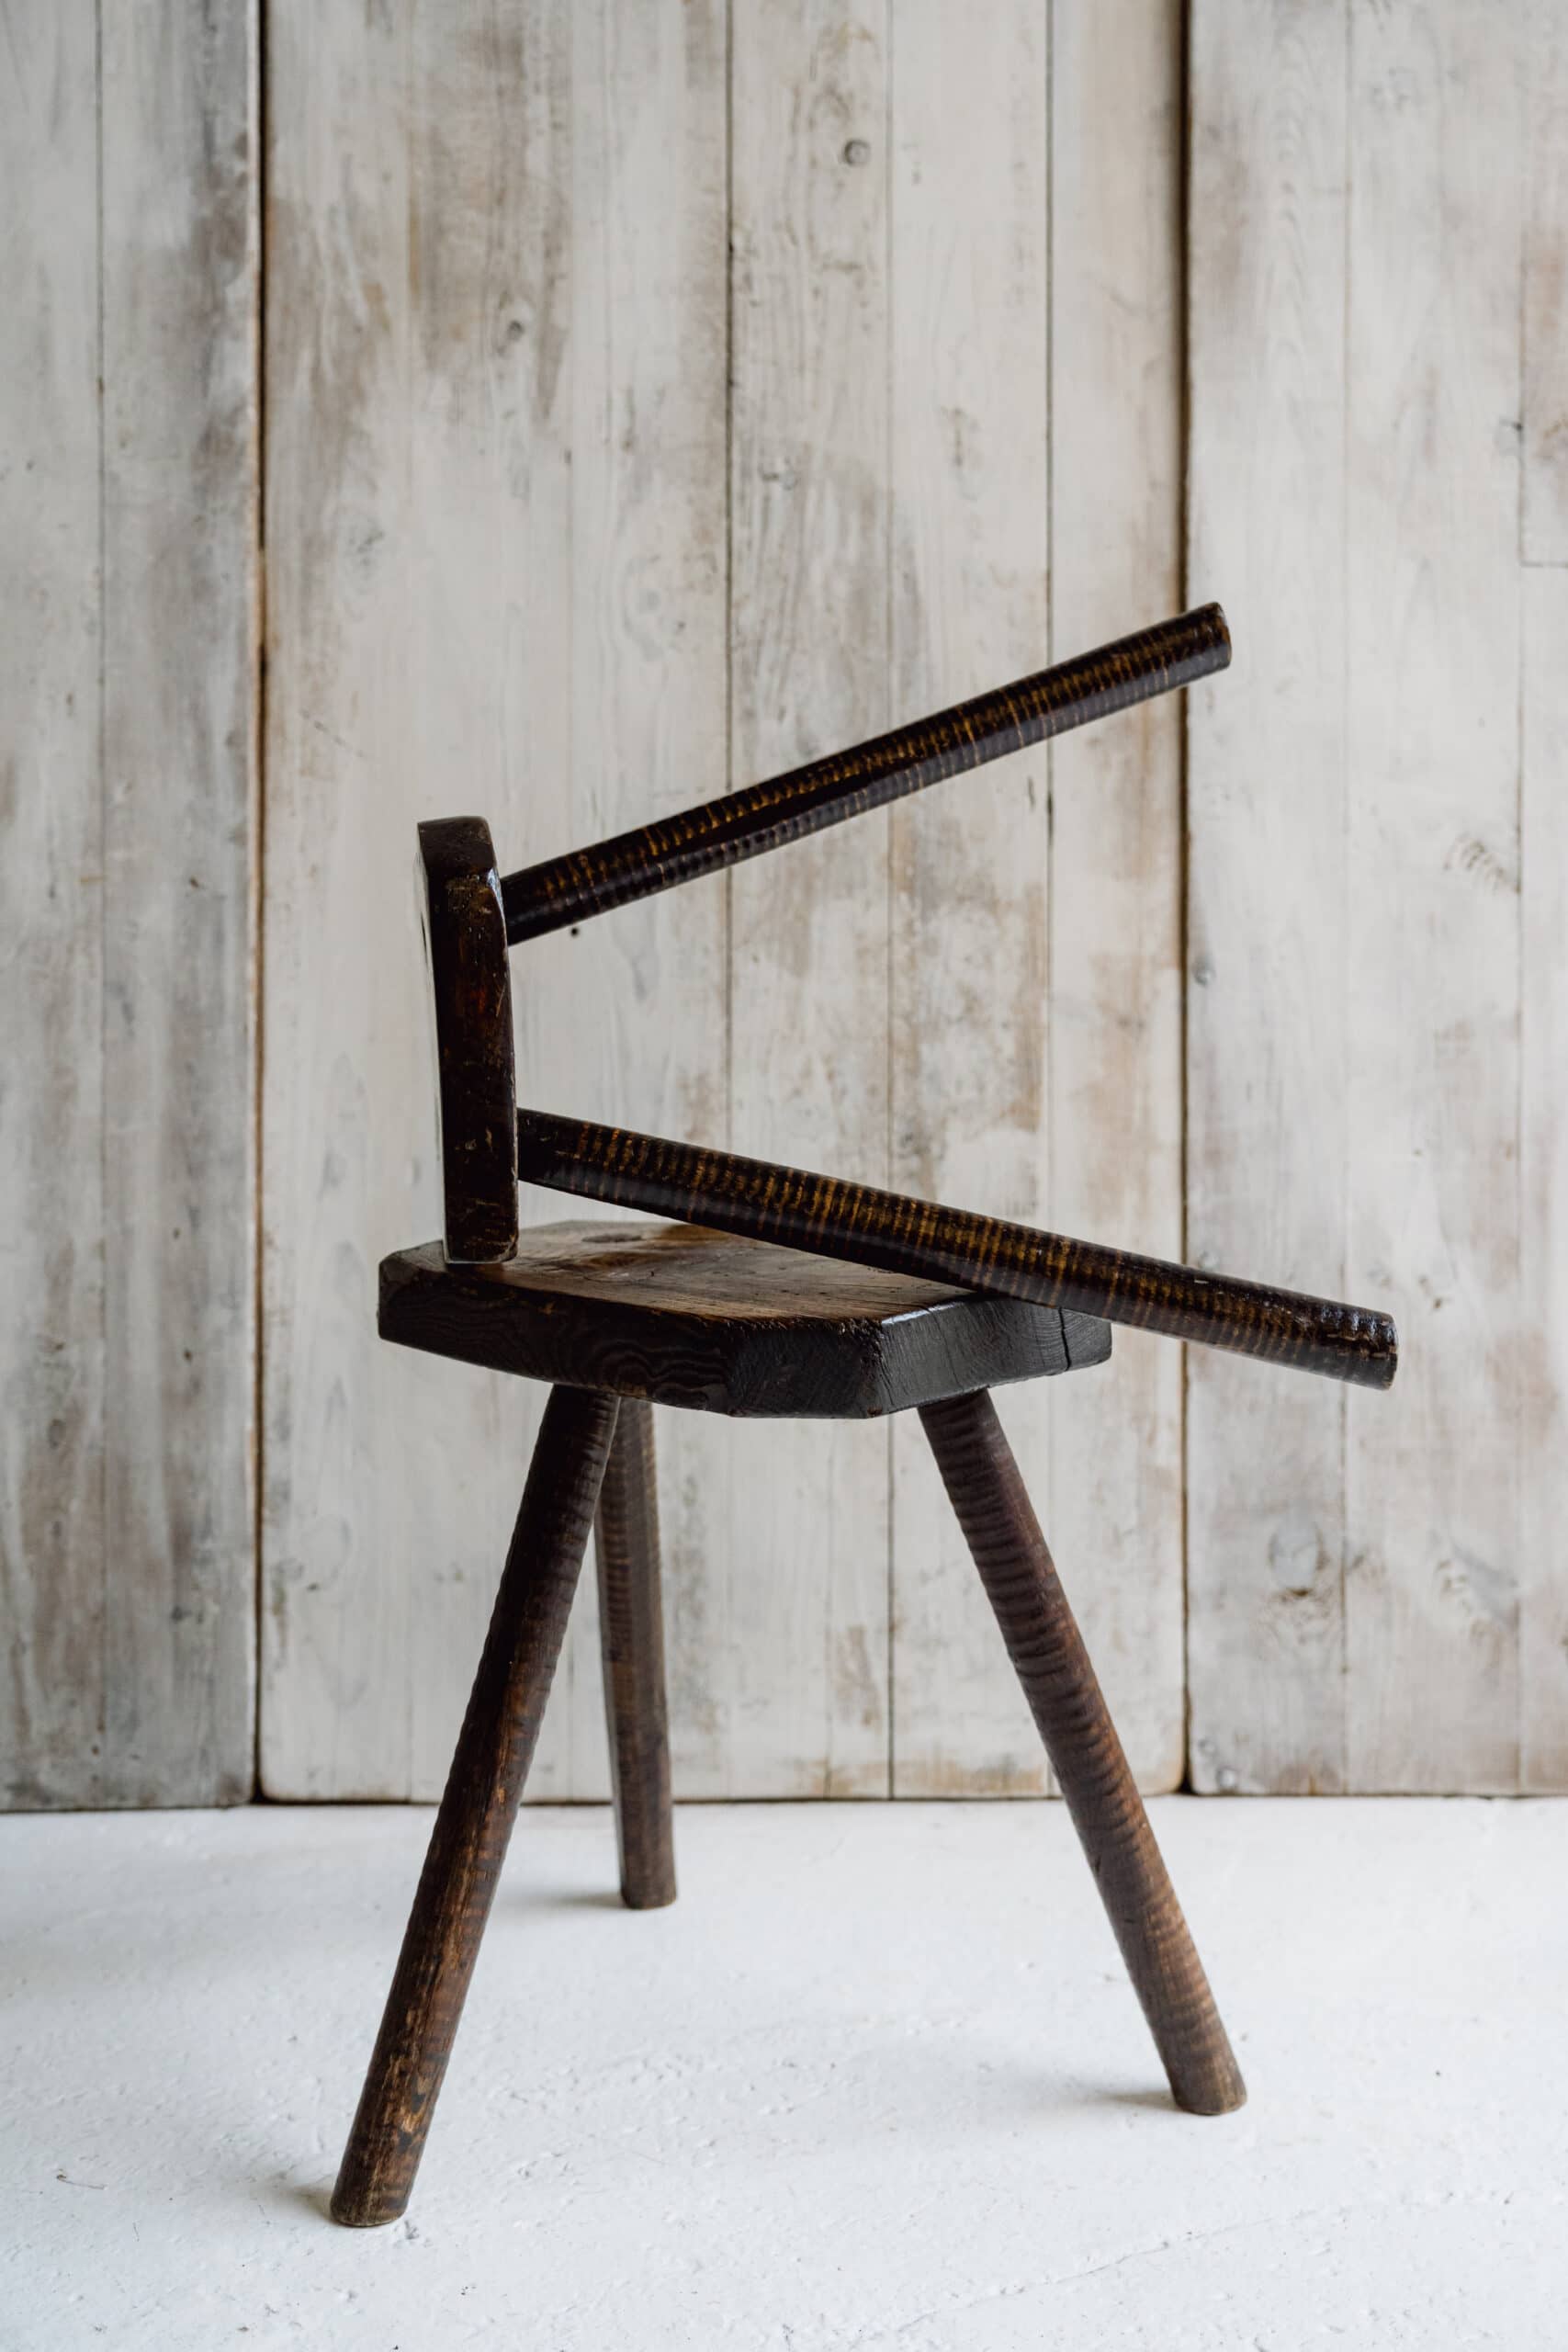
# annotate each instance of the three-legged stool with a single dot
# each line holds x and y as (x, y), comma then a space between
(620, 1317)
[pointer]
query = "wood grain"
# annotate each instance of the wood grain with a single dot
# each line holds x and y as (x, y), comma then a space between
(496, 547)
(767, 1202)
(129, 270)
(471, 990)
(52, 1557)
(1543, 1150)
(1267, 1017)
(1432, 1194)
(473, 1826)
(992, 1505)
(805, 1619)
(1542, 37)
(353, 1531)
(1543, 916)
(636, 1009)
(1117, 826)
(1362, 1039)
(716, 1325)
(631, 1634)
(969, 446)
(1112, 1492)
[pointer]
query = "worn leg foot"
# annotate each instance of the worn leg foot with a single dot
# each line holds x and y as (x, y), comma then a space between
(987, 1493)
(631, 1626)
(469, 1844)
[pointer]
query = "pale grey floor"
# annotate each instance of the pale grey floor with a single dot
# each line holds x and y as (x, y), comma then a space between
(876, 2081)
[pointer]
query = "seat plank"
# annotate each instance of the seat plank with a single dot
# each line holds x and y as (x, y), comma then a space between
(716, 1324)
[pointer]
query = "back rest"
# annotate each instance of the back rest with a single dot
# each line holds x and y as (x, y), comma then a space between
(465, 937)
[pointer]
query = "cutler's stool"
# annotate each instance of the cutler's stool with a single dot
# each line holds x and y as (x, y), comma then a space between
(619, 1319)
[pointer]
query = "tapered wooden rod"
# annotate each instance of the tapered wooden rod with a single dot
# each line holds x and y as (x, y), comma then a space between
(741, 824)
(1045, 1646)
(909, 1237)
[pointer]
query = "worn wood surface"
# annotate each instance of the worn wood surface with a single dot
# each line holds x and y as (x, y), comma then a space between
(631, 1634)
(1036, 424)
(1113, 1492)
(497, 560)
(992, 1506)
(1360, 368)
(1544, 1153)
(515, 518)
(128, 266)
(767, 1202)
(473, 1826)
(802, 1562)
(969, 463)
(470, 997)
(1266, 1012)
(716, 1325)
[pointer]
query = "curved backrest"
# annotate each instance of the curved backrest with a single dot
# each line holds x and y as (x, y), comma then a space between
(465, 937)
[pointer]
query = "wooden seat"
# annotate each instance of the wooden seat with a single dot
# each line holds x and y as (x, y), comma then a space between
(680, 1315)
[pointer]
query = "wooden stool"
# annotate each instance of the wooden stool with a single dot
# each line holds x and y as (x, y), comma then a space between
(619, 1319)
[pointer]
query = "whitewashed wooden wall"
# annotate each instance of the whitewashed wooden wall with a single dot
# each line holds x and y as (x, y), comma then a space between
(655, 395)
(1376, 1019)
(127, 700)
(658, 395)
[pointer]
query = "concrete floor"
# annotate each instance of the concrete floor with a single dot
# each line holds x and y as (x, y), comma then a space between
(876, 2082)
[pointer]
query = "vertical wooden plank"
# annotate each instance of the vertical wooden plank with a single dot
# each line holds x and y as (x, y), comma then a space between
(969, 479)
(1543, 1150)
(1543, 912)
(1433, 941)
(495, 485)
(1544, 46)
(52, 1336)
(806, 1602)
(131, 255)
(346, 1157)
(630, 1018)
(180, 286)
(487, 414)
(1116, 854)
(1268, 877)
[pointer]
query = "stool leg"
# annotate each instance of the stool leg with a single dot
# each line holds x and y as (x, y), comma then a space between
(987, 1493)
(469, 1844)
(631, 1627)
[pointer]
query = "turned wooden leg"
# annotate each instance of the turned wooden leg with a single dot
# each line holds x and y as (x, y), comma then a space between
(469, 1844)
(631, 1631)
(987, 1493)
